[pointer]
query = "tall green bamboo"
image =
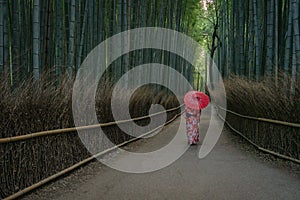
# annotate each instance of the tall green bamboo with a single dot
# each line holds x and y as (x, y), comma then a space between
(276, 40)
(47, 36)
(288, 39)
(15, 43)
(296, 30)
(251, 55)
(241, 38)
(282, 25)
(90, 28)
(224, 53)
(71, 39)
(296, 44)
(95, 23)
(125, 40)
(270, 37)
(1, 36)
(59, 38)
(6, 39)
(83, 28)
(231, 38)
(27, 43)
(101, 27)
(78, 20)
(119, 67)
(36, 40)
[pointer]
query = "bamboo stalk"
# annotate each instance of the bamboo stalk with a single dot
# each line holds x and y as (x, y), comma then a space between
(263, 119)
(67, 130)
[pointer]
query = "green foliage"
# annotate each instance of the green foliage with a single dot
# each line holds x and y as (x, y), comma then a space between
(65, 32)
(259, 40)
(205, 20)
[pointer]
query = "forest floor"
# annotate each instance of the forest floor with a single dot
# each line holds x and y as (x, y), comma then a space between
(233, 170)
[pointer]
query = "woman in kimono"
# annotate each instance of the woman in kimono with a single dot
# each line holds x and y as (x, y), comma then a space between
(192, 117)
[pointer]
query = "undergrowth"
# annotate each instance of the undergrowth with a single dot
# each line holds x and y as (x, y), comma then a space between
(272, 99)
(47, 105)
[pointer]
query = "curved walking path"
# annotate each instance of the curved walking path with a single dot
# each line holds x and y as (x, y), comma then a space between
(228, 172)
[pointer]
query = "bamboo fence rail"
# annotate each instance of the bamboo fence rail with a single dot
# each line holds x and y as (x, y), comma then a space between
(67, 130)
(262, 120)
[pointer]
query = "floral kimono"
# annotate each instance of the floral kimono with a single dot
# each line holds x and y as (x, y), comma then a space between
(192, 120)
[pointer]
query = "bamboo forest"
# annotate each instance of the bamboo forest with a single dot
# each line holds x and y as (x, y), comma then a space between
(58, 115)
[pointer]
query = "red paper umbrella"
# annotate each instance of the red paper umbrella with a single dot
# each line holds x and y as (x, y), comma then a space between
(196, 100)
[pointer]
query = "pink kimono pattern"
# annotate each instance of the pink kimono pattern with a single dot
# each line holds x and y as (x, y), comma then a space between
(192, 120)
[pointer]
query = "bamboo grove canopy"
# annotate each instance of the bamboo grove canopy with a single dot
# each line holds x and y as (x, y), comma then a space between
(56, 35)
(261, 39)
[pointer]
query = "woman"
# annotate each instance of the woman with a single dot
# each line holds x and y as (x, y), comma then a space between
(192, 117)
(194, 102)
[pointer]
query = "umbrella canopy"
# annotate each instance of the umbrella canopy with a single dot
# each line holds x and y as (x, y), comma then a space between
(196, 100)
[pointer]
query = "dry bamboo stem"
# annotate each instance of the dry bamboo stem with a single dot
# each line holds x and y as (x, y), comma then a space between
(67, 130)
(262, 119)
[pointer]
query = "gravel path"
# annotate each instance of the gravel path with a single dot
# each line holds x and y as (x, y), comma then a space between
(233, 170)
